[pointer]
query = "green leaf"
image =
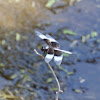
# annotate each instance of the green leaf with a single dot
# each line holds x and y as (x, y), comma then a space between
(38, 46)
(65, 54)
(22, 71)
(94, 34)
(49, 80)
(3, 42)
(50, 3)
(1, 65)
(65, 70)
(26, 77)
(70, 73)
(84, 38)
(77, 91)
(79, 0)
(69, 32)
(14, 76)
(18, 36)
(53, 89)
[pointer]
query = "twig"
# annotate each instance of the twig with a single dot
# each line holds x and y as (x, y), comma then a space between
(58, 84)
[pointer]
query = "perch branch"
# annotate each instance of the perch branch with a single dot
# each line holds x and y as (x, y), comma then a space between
(58, 84)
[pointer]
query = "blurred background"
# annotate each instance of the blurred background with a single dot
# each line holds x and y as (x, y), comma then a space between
(75, 24)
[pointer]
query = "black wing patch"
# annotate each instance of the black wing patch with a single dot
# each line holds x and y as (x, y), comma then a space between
(50, 55)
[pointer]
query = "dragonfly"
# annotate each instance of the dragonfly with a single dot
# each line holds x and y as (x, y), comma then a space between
(52, 49)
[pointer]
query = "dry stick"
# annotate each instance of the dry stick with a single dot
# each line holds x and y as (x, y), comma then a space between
(59, 89)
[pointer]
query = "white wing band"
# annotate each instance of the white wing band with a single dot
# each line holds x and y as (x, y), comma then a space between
(49, 57)
(40, 35)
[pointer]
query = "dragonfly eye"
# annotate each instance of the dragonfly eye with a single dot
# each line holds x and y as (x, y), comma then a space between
(42, 48)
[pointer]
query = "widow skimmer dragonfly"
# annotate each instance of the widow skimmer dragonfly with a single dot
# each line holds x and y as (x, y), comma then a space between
(52, 50)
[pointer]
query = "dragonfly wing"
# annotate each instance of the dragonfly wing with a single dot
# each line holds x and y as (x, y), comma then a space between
(46, 39)
(47, 47)
(58, 59)
(68, 52)
(49, 57)
(50, 54)
(40, 35)
(51, 38)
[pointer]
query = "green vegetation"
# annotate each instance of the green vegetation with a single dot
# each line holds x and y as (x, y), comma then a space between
(79, 0)
(93, 34)
(18, 36)
(65, 54)
(50, 3)
(49, 80)
(69, 32)
(65, 70)
(8, 95)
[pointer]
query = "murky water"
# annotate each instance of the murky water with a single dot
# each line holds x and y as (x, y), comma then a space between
(23, 74)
